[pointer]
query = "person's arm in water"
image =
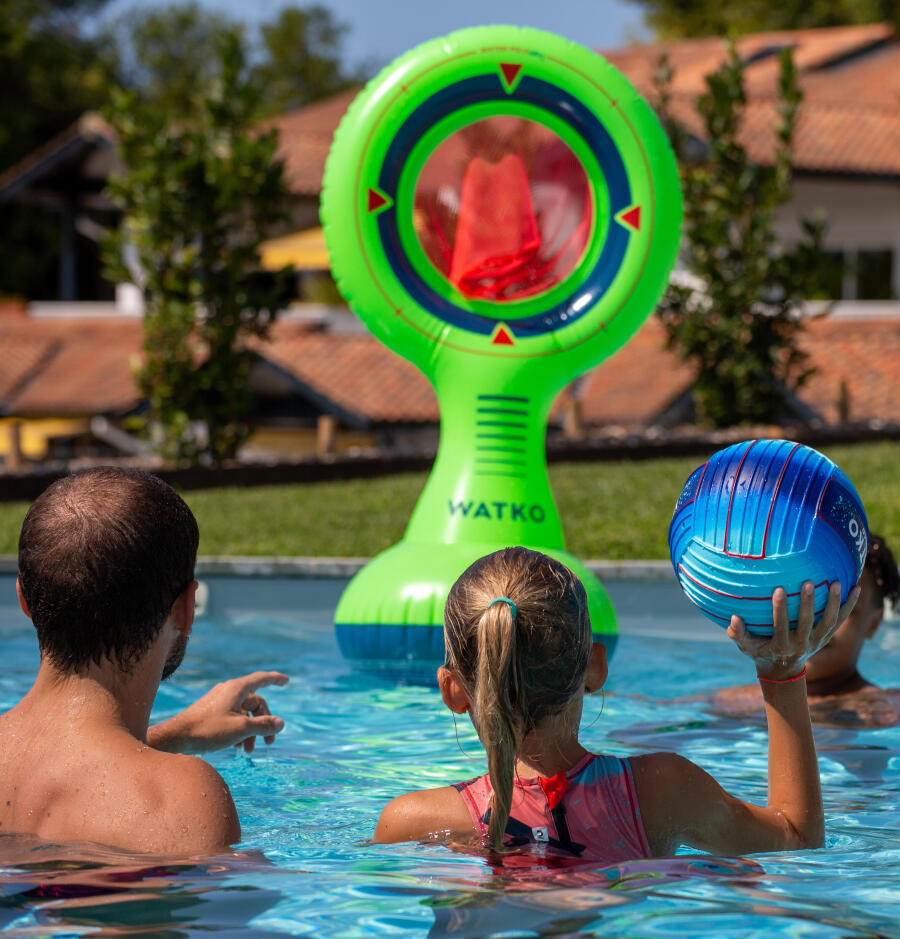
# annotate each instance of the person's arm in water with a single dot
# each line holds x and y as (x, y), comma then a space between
(682, 804)
(230, 714)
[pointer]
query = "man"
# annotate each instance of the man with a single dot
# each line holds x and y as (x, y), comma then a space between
(106, 574)
(838, 695)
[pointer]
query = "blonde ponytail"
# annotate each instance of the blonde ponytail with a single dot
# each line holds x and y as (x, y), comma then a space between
(497, 689)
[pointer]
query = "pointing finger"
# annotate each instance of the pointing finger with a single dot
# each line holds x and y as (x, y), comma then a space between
(249, 683)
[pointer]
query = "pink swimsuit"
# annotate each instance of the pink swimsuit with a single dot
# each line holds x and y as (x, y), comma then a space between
(591, 811)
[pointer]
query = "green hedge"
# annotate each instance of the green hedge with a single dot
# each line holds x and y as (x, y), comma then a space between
(618, 510)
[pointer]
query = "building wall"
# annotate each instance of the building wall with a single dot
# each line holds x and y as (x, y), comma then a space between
(35, 432)
(861, 215)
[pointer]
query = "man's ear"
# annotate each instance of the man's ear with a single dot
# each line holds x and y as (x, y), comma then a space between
(21, 597)
(597, 670)
(452, 692)
(182, 613)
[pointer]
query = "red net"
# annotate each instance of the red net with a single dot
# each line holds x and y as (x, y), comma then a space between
(503, 209)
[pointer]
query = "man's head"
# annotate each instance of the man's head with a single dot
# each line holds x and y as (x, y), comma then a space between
(879, 583)
(103, 555)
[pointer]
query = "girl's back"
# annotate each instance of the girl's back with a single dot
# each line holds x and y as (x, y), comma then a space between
(590, 812)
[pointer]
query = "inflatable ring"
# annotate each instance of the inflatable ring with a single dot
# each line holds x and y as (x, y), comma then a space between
(502, 209)
(436, 91)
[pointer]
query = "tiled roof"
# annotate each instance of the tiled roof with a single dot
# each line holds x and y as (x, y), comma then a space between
(21, 357)
(863, 356)
(90, 129)
(305, 138)
(77, 366)
(355, 373)
(849, 121)
(635, 385)
(69, 367)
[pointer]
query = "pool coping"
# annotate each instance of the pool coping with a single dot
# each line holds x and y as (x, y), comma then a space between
(341, 568)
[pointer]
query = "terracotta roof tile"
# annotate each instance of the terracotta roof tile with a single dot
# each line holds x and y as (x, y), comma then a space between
(21, 355)
(863, 356)
(636, 384)
(356, 373)
(68, 367)
(305, 138)
(849, 121)
(87, 372)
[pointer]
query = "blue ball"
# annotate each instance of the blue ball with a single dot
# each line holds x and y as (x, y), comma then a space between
(764, 514)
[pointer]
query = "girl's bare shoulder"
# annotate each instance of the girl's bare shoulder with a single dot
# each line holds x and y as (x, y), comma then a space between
(424, 815)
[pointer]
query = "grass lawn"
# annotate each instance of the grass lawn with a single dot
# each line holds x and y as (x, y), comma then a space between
(609, 510)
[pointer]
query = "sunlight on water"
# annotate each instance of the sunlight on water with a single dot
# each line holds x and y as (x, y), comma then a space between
(353, 740)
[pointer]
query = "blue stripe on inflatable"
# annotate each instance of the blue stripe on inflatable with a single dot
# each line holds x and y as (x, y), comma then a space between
(412, 642)
(396, 641)
(487, 88)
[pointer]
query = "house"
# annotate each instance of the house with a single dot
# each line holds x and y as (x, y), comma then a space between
(321, 368)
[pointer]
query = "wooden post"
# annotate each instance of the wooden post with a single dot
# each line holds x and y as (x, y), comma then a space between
(14, 458)
(573, 419)
(843, 401)
(326, 433)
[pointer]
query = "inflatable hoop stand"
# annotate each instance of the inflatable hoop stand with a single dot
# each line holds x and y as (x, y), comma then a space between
(501, 208)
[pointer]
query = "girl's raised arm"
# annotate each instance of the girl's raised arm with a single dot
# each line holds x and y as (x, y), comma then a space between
(682, 804)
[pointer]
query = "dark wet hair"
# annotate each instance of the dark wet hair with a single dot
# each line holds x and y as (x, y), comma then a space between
(103, 555)
(518, 668)
(880, 563)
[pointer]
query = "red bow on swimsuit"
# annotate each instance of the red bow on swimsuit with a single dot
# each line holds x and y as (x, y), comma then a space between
(555, 788)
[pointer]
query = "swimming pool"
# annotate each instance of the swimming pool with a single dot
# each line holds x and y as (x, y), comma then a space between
(354, 740)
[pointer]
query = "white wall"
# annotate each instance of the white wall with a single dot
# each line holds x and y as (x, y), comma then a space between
(861, 215)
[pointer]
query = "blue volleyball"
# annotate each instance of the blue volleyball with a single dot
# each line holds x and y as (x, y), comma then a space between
(764, 514)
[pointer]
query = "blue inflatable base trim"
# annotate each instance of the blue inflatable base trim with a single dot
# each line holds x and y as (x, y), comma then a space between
(409, 642)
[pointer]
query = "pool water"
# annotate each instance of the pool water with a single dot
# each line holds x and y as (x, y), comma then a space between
(355, 739)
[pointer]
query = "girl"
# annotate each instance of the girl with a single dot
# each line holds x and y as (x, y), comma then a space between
(519, 659)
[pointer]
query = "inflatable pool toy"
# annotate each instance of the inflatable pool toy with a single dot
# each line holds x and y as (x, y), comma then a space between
(764, 514)
(502, 209)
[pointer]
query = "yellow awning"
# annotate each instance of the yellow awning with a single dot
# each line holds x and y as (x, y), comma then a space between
(304, 249)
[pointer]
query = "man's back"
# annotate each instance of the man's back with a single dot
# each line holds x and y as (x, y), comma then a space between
(70, 775)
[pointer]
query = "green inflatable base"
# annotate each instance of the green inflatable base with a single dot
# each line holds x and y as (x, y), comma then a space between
(393, 609)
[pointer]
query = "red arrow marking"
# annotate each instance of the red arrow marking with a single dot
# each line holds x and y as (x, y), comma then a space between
(510, 73)
(632, 218)
(376, 200)
(502, 337)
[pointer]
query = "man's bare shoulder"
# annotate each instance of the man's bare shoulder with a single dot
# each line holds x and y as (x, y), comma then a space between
(196, 812)
(115, 790)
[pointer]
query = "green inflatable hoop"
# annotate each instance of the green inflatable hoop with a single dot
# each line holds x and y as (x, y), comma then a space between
(502, 209)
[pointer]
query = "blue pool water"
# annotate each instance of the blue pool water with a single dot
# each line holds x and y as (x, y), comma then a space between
(354, 740)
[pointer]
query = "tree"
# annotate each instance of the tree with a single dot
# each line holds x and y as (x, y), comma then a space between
(738, 323)
(49, 74)
(199, 195)
(300, 59)
(673, 19)
(166, 51)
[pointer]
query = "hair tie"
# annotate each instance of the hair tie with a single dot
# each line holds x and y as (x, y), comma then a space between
(512, 606)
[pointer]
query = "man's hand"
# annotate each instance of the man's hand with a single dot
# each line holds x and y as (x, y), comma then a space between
(230, 714)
